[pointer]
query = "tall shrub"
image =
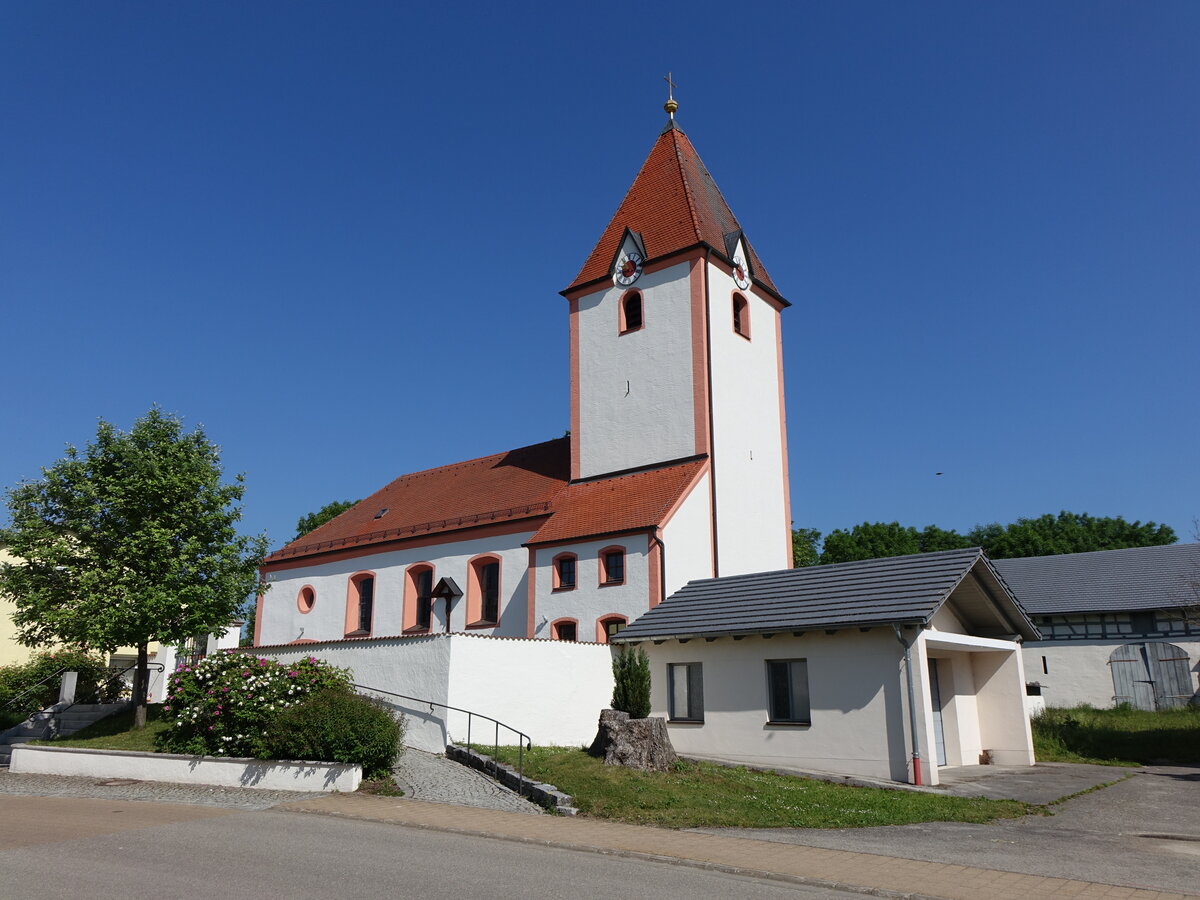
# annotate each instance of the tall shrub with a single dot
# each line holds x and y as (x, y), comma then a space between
(631, 682)
(338, 726)
(224, 705)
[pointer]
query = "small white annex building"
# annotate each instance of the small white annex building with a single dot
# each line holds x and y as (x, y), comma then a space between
(1118, 626)
(859, 668)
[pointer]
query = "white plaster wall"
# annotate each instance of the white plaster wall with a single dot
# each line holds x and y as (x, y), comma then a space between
(1079, 673)
(688, 538)
(960, 711)
(1004, 729)
(551, 690)
(415, 666)
(855, 688)
(752, 527)
(635, 389)
(282, 621)
(591, 600)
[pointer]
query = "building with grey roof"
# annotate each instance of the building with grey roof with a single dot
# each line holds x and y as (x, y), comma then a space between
(1118, 626)
(887, 668)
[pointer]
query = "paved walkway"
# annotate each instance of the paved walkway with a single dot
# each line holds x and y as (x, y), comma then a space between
(860, 872)
(424, 776)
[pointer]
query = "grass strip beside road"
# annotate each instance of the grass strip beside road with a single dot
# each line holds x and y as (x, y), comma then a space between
(707, 795)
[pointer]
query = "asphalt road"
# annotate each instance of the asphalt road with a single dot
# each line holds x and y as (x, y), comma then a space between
(70, 847)
(1143, 832)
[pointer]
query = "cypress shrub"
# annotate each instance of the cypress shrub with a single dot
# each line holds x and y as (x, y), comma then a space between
(631, 677)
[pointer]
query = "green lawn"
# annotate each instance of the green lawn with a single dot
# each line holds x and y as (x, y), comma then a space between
(1118, 737)
(116, 733)
(708, 795)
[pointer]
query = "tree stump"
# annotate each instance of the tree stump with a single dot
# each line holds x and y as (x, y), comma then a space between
(634, 743)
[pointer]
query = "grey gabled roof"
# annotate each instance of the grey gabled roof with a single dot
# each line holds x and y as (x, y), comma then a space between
(896, 590)
(1138, 578)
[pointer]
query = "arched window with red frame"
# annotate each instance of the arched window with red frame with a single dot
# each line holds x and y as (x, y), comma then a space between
(741, 316)
(565, 629)
(566, 570)
(612, 566)
(483, 591)
(631, 315)
(360, 604)
(418, 598)
(608, 626)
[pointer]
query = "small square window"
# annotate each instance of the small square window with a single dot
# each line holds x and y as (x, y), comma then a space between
(564, 573)
(787, 691)
(566, 631)
(686, 685)
(614, 566)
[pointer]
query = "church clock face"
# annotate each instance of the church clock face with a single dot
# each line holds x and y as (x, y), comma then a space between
(628, 268)
(741, 277)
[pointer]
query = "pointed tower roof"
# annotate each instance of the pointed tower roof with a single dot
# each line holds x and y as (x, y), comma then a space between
(673, 204)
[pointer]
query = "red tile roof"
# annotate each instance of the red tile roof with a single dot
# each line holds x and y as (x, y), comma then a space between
(519, 484)
(527, 483)
(673, 203)
(623, 503)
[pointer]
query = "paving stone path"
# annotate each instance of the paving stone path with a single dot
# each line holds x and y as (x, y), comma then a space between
(424, 776)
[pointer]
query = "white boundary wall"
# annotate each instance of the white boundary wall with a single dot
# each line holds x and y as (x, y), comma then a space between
(265, 774)
(553, 691)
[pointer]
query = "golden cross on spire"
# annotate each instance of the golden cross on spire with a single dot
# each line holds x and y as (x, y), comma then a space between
(670, 106)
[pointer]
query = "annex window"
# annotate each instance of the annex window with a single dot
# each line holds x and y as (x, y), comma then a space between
(631, 312)
(608, 627)
(483, 591)
(418, 597)
(612, 565)
(741, 316)
(564, 571)
(566, 630)
(306, 599)
(686, 685)
(787, 691)
(360, 604)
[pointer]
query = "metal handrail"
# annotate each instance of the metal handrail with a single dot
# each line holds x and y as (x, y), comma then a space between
(12, 700)
(523, 741)
(150, 667)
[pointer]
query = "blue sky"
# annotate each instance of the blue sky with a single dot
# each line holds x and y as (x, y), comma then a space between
(334, 233)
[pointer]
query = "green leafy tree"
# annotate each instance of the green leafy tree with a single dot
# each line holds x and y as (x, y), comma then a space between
(130, 540)
(315, 520)
(1067, 532)
(804, 547)
(875, 540)
(631, 682)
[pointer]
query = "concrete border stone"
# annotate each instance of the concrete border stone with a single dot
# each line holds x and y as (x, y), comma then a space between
(285, 775)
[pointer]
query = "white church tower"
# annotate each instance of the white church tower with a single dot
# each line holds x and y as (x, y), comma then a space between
(676, 354)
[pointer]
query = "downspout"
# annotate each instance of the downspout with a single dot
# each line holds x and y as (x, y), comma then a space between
(912, 708)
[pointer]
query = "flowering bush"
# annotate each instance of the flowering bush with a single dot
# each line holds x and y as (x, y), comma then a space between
(225, 704)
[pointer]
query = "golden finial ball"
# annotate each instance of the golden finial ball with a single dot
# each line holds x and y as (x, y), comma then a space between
(670, 106)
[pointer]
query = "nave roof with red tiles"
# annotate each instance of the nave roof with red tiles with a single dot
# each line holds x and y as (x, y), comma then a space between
(529, 483)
